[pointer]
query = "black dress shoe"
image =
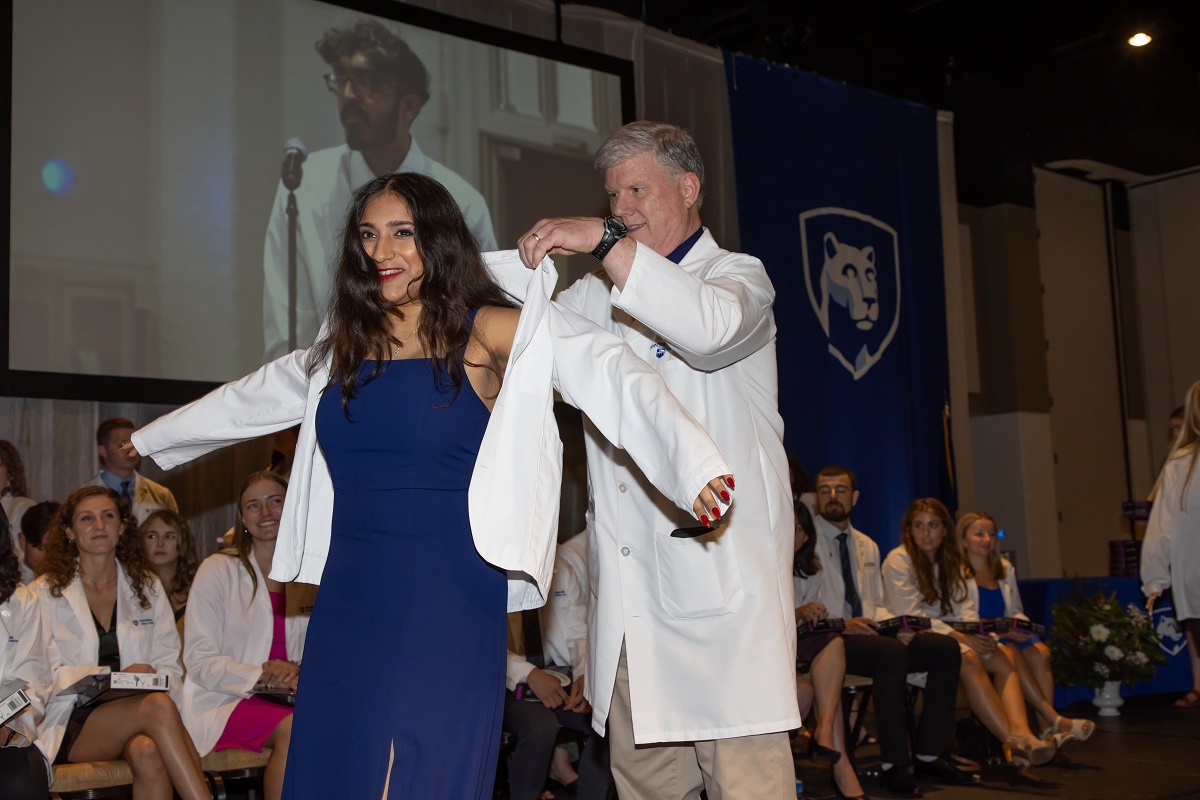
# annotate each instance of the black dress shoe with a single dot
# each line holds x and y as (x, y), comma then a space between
(899, 781)
(943, 770)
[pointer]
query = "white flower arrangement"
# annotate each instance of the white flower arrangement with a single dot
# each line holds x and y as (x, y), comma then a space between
(1094, 639)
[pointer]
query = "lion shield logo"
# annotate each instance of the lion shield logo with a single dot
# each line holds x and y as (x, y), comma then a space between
(1172, 639)
(852, 271)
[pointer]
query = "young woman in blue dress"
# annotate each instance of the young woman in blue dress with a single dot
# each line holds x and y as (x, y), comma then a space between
(992, 589)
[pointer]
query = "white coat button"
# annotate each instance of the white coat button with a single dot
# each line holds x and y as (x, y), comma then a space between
(623, 488)
(624, 551)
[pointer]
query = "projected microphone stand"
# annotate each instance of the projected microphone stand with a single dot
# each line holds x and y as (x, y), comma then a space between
(292, 213)
(291, 174)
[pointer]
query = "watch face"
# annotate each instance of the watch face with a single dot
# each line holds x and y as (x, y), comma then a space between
(615, 226)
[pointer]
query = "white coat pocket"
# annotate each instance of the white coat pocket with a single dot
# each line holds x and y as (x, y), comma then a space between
(698, 577)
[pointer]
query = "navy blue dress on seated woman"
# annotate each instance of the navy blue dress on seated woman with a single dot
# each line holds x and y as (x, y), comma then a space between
(402, 684)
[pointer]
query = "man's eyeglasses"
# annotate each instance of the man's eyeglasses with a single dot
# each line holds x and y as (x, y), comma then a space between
(364, 84)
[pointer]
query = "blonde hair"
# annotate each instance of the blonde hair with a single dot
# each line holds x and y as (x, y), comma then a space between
(1186, 444)
(994, 562)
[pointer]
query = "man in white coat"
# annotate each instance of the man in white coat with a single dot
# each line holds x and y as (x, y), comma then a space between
(691, 640)
(380, 86)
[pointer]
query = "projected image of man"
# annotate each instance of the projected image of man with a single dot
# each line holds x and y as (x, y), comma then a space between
(380, 86)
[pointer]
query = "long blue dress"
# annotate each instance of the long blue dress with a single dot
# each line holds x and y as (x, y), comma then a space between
(405, 657)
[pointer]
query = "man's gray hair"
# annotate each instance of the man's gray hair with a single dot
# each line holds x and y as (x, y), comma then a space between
(673, 147)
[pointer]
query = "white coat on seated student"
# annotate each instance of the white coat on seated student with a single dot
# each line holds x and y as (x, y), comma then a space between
(23, 658)
(145, 636)
(904, 597)
(229, 627)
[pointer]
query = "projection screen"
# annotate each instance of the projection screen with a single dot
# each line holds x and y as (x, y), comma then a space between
(148, 252)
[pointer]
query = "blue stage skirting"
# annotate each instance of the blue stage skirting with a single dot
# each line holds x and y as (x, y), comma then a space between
(1039, 594)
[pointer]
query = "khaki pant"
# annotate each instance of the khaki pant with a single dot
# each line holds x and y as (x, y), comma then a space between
(740, 768)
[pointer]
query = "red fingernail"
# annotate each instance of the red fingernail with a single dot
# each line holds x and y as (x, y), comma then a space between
(729, 480)
(704, 520)
(725, 495)
(716, 513)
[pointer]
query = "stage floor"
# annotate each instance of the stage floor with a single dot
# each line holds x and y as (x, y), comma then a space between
(1150, 752)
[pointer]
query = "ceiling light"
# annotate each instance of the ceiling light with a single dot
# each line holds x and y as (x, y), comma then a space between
(1139, 40)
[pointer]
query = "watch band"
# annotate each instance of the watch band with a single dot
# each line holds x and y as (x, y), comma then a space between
(614, 232)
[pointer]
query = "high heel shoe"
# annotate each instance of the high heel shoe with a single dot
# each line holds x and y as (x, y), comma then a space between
(822, 752)
(1024, 751)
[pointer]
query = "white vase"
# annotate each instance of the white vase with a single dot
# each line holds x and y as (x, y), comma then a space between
(1108, 699)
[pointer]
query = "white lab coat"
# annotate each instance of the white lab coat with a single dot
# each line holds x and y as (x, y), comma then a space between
(564, 617)
(229, 627)
(144, 635)
(1013, 607)
(828, 588)
(23, 657)
(331, 177)
(1171, 552)
(708, 623)
(148, 496)
(514, 491)
(904, 598)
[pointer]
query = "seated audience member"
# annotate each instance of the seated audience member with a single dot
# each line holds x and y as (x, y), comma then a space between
(13, 491)
(992, 590)
(850, 586)
(119, 472)
(24, 771)
(535, 723)
(171, 553)
(826, 655)
(244, 631)
(1171, 551)
(283, 450)
(924, 577)
(34, 525)
(101, 607)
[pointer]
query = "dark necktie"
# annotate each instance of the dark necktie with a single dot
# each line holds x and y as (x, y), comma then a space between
(127, 494)
(531, 637)
(848, 577)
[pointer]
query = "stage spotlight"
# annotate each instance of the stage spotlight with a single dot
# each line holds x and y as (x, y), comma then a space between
(1140, 39)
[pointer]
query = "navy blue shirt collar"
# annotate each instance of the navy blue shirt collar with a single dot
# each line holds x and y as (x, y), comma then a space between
(678, 254)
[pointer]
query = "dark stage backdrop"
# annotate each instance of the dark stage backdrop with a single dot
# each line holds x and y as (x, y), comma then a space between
(837, 192)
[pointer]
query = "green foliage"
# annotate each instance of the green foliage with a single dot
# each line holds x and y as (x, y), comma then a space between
(1093, 640)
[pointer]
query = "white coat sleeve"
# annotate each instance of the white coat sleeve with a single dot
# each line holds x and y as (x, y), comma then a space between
(900, 590)
(1160, 531)
(207, 608)
(1016, 608)
(632, 407)
(266, 401)
(518, 670)
(28, 662)
(710, 322)
(576, 613)
(165, 649)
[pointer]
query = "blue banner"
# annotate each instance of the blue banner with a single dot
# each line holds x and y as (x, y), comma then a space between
(837, 192)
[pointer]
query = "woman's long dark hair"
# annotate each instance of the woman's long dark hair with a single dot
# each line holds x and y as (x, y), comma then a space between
(10, 565)
(62, 555)
(948, 586)
(11, 458)
(806, 563)
(455, 280)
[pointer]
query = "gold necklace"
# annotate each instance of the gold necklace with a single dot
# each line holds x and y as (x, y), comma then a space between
(98, 585)
(400, 344)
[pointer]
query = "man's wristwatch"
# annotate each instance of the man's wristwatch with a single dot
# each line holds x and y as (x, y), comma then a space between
(614, 231)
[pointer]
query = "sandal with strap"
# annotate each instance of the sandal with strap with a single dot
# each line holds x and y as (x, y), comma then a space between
(1192, 698)
(1081, 730)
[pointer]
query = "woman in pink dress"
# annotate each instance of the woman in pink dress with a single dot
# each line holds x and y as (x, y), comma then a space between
(245, 633)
